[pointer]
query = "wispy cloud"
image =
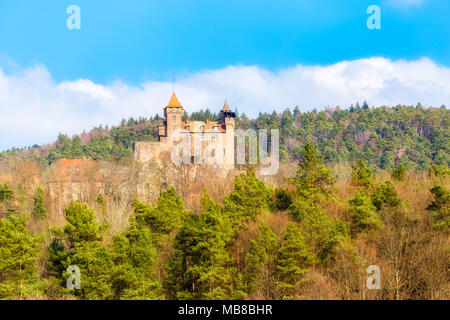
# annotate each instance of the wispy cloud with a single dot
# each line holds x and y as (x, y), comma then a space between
(34, 109)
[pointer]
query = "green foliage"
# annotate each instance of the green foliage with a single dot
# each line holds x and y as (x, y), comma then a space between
(134, 257)
(249, 197)
(261, 262)
(78, 244)
(283, 199)
(81, 225)
(371, 134)
(399, 173)
(95, 263)
(202, 267)
(295, 259)
(362, 175)
(439, 171)
(5, 193)
(385, 194)
(314, 182)
(167, 215)
(321, 230)
(312, 176)
(39, 210)
(102, 143)
(364, 213)
(19, 252)
(440, 208)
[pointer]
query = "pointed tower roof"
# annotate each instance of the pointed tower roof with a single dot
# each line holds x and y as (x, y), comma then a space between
(174, 103)
(226, 108)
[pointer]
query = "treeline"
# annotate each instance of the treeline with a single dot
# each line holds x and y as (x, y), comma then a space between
(383, 137)
(301, 240)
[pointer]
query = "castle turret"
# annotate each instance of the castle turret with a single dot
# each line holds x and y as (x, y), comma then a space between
(228, 117)
(173, 112)
(228, 120)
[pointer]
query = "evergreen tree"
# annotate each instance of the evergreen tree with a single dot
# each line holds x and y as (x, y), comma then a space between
(362, 175)
(79, 244)
(19, 253)
(249, 197)
(385, 194)
(364, 213)
(312, 176)
(167, 215)
(261, 263)
(202, 267)
(39, 209)
(294, 261)
(440, 208)
(134, 256)
(399, 173)
(5, 193)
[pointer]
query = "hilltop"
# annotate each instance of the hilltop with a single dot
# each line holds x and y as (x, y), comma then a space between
(384, 137)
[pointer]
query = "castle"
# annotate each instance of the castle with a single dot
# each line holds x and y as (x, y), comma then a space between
(210, 142)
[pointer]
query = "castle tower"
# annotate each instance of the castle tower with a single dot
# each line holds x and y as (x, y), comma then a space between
(173, 113)
(228, 119)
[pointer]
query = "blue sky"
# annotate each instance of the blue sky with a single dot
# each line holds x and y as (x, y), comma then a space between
(259, 55)
(137, 40)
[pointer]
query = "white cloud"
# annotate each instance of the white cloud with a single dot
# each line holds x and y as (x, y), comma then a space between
(34, 109)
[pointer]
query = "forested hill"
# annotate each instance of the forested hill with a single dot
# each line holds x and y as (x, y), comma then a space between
(384, 137)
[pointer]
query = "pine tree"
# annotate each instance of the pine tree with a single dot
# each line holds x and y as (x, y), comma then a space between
(385, 194)
(295, 259)
(202, 267)
(399, 173)
(81, 225)
(440, 208)
(167, 215)
(261, 263)
(249, 197)
(79, 244)
(5, 193)
(362, 175)
(364, 213)
(19, 252)
(312, 176)
(39, 209)
(134, 256)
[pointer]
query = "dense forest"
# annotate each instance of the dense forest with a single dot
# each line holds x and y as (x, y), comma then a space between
(383, 137)
(357, 188)
(312, 237)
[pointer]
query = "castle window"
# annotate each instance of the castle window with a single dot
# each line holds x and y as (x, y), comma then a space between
(216, 128)
(187, 127)
(214, 138)
(202, 128)
(202, 138)
(174, 118)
